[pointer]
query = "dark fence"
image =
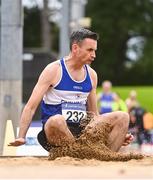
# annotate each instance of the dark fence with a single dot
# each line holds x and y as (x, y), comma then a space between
(33, 64)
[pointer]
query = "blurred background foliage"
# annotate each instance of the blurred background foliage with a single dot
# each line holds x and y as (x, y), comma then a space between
(117, 22)
(125, 48)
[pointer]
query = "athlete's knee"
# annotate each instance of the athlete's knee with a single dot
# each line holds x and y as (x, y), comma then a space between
(55, 121)
(123, 119)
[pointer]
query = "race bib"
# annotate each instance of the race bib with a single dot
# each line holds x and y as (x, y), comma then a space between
(73, 112)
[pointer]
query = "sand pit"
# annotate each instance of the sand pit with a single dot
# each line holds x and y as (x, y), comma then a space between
(89, 157)
(72, 168)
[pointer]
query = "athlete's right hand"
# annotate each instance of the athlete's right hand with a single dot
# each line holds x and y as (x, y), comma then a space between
(17, 142)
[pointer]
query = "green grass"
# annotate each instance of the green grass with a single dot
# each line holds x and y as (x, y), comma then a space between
(144, 94)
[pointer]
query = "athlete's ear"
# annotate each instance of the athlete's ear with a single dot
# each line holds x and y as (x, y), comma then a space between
(75, 48)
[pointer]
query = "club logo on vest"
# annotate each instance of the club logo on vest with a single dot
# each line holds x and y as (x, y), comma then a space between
(77, 87)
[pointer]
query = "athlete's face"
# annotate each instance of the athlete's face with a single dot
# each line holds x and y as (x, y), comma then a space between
(85, 51)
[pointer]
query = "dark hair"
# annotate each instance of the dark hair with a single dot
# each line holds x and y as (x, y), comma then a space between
(79, 35)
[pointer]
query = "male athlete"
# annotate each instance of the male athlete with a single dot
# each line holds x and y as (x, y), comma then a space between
(67, 90)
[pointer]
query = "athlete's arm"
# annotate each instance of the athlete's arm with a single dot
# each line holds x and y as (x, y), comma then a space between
(92, 98)
(47, 78)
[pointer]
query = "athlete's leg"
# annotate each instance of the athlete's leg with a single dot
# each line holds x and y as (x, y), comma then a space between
(57, 131)
(118, 122)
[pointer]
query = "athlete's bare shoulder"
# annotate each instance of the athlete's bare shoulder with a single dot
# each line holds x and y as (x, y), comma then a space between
(53, 65)
(93, 75)
(52, 72)
(92, 72)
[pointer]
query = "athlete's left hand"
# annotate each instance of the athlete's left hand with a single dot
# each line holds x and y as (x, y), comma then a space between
(128, 139)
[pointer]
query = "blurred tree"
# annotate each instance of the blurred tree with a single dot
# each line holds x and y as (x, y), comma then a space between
(38, 30)
(144, 67)
(32, 26)
(117, 22)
